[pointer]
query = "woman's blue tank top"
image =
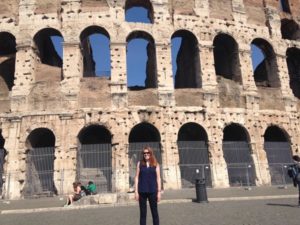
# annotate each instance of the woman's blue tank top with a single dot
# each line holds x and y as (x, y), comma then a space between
(147, 179)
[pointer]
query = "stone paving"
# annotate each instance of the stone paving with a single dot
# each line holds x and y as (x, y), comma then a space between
(263, 205)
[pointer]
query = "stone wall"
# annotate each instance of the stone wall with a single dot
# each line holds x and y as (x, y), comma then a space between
(63, 101)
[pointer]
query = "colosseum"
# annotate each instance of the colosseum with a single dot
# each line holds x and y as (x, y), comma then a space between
(216, 116)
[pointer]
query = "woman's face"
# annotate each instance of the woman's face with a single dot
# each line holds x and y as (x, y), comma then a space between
(147, 154)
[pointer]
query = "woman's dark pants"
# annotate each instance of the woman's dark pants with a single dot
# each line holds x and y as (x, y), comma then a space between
(152, 197)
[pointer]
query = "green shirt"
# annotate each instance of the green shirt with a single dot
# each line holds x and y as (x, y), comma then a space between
(92, 188)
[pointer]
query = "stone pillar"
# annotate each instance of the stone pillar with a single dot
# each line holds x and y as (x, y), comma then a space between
(238, 11)
(65, 164)
(273, 18)
(118, 75)
(120, 161)
(202, 8)
(209, 79)
(13, 175)
(24, 76)
(72, 72)
(261, 163)
(164, 75)
(247, 69)
(219, 170)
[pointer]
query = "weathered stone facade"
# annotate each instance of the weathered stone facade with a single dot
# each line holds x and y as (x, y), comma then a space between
(42, 92)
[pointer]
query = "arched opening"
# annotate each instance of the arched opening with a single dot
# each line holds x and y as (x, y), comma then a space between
(186, 60)
(285, 6)
(49, 50)
(290, 29)
(226, 56)
(193, 154)
(40, 145)
(237, 154)
(265, 71)
(94, 159)
(2, 161)
(139, 11)
(141, 136)
(279, 154)
(7, 63)
(293, 63)
(141, 51)
(95, 44)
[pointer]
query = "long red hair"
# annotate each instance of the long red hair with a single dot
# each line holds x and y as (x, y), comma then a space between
(152, 159)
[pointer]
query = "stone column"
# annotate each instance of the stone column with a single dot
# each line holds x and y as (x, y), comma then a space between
(219, 170)
(24, 76)
(65, 164)
(261, 163)
(164, 75)
(118, 75)
(273, 18)
(209, 79)
(13, 174)
(202, 8)
(238, 11)
(72, 72)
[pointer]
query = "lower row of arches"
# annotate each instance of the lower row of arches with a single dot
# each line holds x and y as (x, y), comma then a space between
(94, 156)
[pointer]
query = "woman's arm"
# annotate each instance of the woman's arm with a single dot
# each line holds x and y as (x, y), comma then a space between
(136, 181)
(158, 180)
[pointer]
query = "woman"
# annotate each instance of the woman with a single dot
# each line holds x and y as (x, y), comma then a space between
(148, 185)
(76, 195)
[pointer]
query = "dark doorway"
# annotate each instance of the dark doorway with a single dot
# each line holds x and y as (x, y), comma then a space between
(40, 163)
(279, 155)
(237, 154)
(141, 136)
(293, 63)
(94, 159)
(193, 155)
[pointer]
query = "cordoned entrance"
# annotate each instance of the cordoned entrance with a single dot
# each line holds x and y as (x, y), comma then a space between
(279, 155)
(141, 136)
(94, 158)
(193, 155)
(236, 150)
(40, 164)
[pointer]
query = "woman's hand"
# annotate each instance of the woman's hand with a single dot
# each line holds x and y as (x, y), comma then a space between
(158, 196)
(136, 196)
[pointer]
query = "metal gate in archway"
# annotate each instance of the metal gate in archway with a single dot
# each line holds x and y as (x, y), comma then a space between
(2, 154)
(134, 155)
(39, 172)
(95, 164)
(279, 156)
(193, 163)
(240, 166)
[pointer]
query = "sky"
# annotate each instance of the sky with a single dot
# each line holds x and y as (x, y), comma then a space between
(136, 53)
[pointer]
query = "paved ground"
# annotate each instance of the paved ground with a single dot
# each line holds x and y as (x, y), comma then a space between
(235, 206)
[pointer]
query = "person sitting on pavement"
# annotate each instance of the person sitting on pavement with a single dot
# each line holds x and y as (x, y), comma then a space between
(76, 195)
(91, 189)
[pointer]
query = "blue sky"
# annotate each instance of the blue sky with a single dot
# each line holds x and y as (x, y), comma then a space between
(136, 53)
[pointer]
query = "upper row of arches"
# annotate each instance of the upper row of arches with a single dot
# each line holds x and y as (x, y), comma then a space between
(95, 45)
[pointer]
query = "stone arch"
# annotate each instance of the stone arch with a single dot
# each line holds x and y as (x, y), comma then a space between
(226, 56)
(146, 4)
(290, 29)
(279, 154)
(45, 46)
(94, 158)
(142, 135)
(7, 62)
(293, 63)
(150, 64)
(266, 73)
(237, 154)
(188, 73)
(91, 59)
(40, 145)
(192, 142)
